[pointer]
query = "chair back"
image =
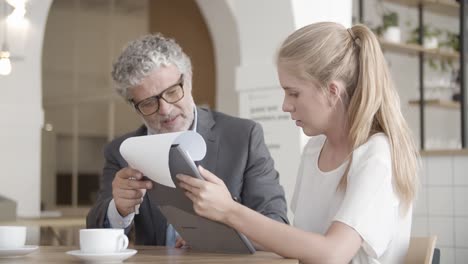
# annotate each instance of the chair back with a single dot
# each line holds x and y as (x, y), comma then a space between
(421, 250)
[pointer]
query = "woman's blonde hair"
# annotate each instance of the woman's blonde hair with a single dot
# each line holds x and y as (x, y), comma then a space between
(326, 51)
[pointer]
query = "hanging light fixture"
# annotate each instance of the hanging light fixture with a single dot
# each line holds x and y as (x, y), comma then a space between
(17, 18)
(5, 63)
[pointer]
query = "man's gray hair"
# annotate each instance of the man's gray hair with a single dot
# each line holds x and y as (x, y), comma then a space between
(144, 55)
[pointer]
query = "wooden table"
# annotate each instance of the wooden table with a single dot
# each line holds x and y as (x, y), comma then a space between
(48, 222)
(62, 230)
(150, 254)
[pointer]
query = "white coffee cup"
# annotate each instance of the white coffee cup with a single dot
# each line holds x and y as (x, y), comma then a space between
(102, 240)
(12, 237)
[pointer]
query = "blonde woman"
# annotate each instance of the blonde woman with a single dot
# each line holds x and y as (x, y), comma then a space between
(358, 174)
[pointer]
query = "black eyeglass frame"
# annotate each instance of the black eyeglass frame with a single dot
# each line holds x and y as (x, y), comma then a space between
(159, 96)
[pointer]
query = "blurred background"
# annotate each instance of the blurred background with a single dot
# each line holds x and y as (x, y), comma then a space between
(58, 108)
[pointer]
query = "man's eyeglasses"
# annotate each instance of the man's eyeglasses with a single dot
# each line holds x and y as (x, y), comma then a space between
(171, 95)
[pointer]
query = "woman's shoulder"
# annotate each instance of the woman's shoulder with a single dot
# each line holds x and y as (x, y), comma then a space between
(377, 148)
(376, 144)
(372, 165)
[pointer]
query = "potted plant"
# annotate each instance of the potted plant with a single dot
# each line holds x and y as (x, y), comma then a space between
(431, 41)
(430, 37)
(391, 29)
(451, 43)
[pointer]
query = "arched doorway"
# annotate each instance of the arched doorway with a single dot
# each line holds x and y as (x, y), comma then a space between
(183, 21)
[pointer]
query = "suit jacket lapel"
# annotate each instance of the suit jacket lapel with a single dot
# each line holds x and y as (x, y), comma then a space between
(141, 131)
(204, 128)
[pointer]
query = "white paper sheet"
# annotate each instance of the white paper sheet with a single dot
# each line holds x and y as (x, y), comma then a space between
(150, 154)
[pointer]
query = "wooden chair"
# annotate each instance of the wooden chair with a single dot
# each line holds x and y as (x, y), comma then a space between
(421, 250)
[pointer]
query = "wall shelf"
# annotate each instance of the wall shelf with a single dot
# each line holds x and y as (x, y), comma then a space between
(414, 49)
(443, 7)
(455, 9)
(444, 152)
(446, 104)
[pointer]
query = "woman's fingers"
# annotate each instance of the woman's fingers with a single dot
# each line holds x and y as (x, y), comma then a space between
(188, 187)
(188, 180)
(190, 196)
(207, 175)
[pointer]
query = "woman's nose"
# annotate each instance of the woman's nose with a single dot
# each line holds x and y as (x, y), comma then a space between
(287, 107)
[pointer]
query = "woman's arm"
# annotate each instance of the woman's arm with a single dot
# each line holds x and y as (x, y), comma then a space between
(211, 199)
(338, 245)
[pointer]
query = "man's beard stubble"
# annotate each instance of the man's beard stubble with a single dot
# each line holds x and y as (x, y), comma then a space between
(155, 127)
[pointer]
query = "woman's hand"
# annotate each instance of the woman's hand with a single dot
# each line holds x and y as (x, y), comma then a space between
(211, 198)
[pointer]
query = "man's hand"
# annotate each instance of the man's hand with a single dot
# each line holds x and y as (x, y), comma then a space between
(128, 190)
(180, 242)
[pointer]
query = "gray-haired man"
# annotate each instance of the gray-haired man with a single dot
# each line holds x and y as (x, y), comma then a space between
(155, 75)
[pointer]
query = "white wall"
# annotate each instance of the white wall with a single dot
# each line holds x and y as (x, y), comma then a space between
(21, 116)
(307, 12)
(442, 206)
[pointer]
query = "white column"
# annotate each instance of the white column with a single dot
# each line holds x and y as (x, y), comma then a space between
(21, 116)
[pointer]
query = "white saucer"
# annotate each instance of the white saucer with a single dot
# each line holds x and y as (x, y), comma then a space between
(17, 252)
(103, 258)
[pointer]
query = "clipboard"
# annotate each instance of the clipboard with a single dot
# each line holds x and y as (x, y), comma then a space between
(200, 233)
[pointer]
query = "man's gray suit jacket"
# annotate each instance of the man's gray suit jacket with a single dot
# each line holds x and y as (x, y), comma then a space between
(236, 153)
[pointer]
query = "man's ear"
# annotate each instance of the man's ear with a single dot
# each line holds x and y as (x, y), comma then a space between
(188, 78)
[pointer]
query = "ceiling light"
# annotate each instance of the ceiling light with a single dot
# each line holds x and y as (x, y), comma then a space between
(17, 3)
(17, 16)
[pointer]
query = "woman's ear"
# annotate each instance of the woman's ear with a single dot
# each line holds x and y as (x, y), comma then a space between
(334, 92)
